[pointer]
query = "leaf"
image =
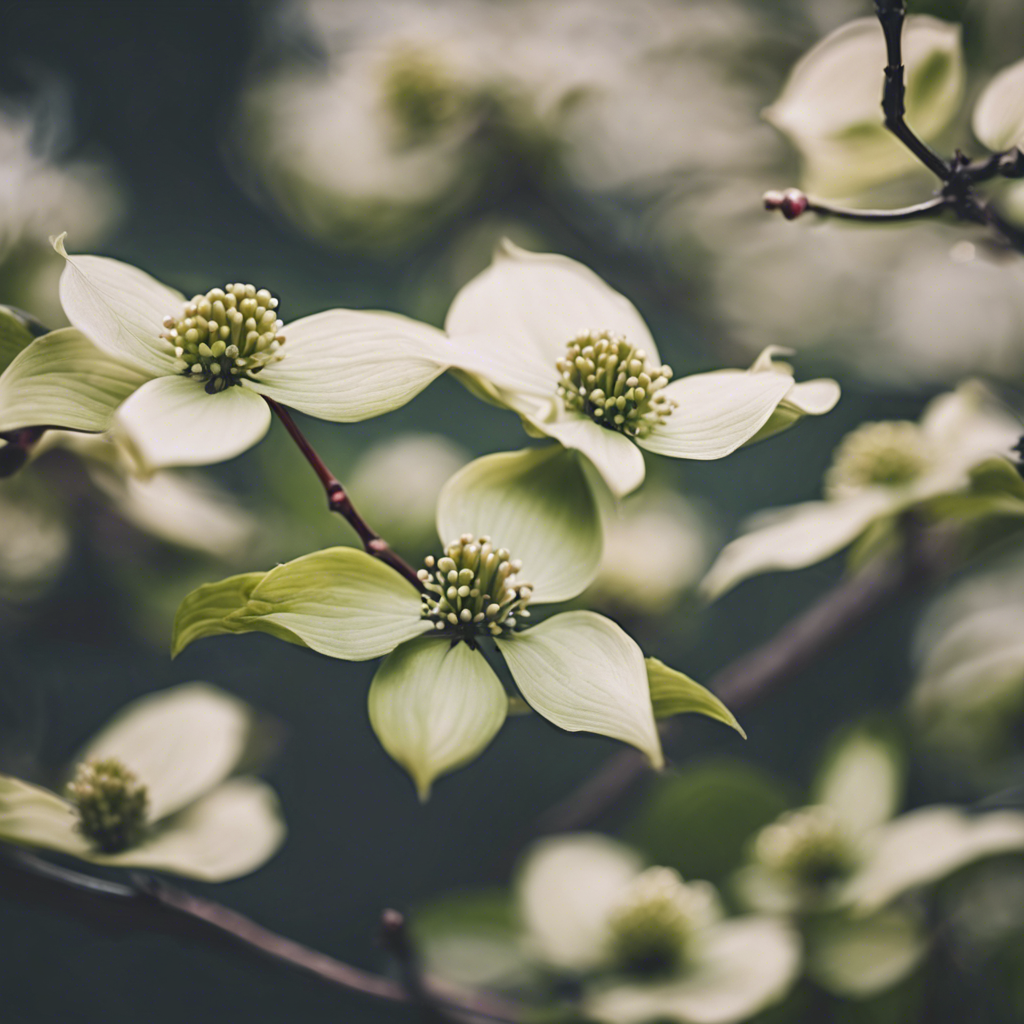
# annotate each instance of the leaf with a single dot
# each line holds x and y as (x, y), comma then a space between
(14, 336)
(435, 707)
(583, 673)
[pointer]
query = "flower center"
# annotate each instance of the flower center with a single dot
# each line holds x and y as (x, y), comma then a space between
(421, 93)
(111, 804)
(653, 926)
(225, 335)
(807, 845)
(472, 589)
(609, 380)
(891, 453)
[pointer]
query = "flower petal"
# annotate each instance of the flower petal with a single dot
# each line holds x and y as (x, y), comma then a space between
(63, 380)
(14, 336)
(180, 742)
(120, 309)
(172, 421)
(567, 886)
(345, 365)
(673, 693)
(538, 504)
(794, 537)
(514, 368)
(925, 846)
(583, 673)
(228, 833)
(33, 816)
(541, 301)
(716, 413)
(435, 707)
(998, 119)
(741, 966)
(208, 610)
(805, 398)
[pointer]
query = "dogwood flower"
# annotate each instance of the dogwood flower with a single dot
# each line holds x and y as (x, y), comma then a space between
(843, 863)
(156, 789)
(206, 364)
(544, 336)
(879, 471)
(518, 529)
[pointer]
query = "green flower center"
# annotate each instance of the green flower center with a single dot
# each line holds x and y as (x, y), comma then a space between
(225, 335)
(891, 454)
(111, 804)
(472, 589)
(653, 927)
(809, 846)
(611, 381)
(420, 93)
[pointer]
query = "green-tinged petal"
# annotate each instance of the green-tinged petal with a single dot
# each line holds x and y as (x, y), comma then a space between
(925, 846)
(228, 833)
(767, 892)
(742, 966)
(805, 398)
(14, 336)
(794, 537)
(673, 693)
(998, 119)
(180, 743)
(716, 413)
(33, 816)
(567, 887)
(538, 504)
(860, 957)
(62, 380)
(618, 461)
(172, 421)
(861, 778)
(435, 707)
(541, 301)
(120, 309)
(207, 611)
(583, 673)
(345, 365)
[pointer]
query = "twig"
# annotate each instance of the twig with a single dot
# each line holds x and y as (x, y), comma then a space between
(339, 501)
(792, 203)
(394, 936)
(150, 903)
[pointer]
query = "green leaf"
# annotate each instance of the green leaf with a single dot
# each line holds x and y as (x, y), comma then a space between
(998, 119)
(996, 489)
(538, 504)
(583, 673)
(207, 610)
(14, 336)
(62, 380)
(435, 707)
(673, 693)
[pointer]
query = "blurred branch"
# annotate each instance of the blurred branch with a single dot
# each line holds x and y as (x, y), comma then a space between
(153, 904)
(339, 501)
(396, 940)
(753, 676)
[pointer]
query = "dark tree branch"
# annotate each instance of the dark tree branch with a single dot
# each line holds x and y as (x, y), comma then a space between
(792, 203)
(395, 938)
(339, 501)
(152, 904)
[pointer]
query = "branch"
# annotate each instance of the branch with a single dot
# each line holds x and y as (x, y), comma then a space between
(339, 501)
(153, 904)
(792, 203)
(751, 677)
(396, 940)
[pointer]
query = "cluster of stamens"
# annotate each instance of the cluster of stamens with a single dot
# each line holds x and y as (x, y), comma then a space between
(420, 92)
(808, 845)
(226, 334)
(653, 927)
(111, 804)
(891, 453)
(472, 588)
(606, 378)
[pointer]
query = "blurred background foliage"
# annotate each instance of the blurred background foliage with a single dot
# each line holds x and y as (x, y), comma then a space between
(351, 153)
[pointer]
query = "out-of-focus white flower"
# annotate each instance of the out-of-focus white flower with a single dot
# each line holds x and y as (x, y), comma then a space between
(998, 119)
(34, 542)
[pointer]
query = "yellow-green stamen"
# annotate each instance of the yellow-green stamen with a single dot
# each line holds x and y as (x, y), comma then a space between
(809, 846)
(891, 453)
(111, 804)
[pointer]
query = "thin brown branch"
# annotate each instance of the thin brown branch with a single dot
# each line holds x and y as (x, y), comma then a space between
(339, 501)
(395, 938)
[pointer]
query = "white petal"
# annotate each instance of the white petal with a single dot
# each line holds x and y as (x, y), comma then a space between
(743, 965)
(716, 412)
(925, 846)
(63, 380)
(541, 301)
(998, 119)
(33, 816)
(228, 833)
(518, 369)
(120, 309)
(180, 742)
(345, 365)
(583, 673)
(172, 421)
(567, 886)
(814, 397)
(435, 707)
(538, 504)
(795, 537)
